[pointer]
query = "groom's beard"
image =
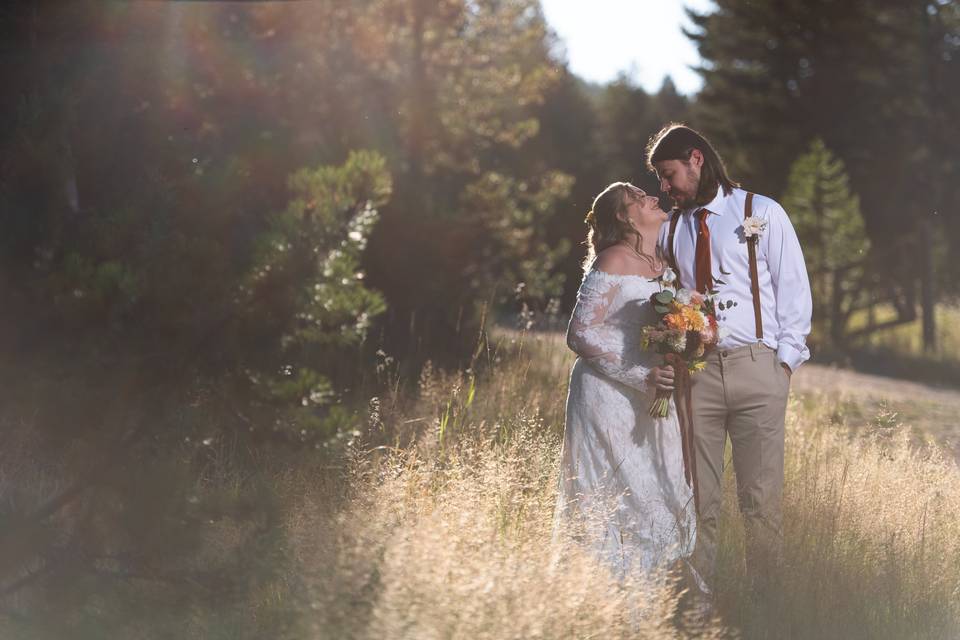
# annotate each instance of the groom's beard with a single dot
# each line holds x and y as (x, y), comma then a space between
(704, 195)
(692, 197)
(684, 201)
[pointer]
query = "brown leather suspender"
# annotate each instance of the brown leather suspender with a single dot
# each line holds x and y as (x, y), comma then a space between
(754, 277)
(671, 256)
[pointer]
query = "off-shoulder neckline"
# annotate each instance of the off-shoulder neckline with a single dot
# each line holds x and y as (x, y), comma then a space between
(621, 275)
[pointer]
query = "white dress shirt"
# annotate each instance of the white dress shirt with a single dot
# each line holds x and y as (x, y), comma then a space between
(785, 302)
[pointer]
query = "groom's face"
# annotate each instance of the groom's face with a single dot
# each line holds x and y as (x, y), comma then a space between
(680, 180)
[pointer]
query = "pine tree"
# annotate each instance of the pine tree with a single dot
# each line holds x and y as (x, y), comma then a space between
(830, 226)
(875, 79)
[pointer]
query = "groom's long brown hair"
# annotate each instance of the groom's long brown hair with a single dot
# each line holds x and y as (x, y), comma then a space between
(677, 141)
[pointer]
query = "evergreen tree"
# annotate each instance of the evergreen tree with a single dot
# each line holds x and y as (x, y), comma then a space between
(628, 117)
(871, 78)
(303, 309)
(569, 121)
(827, 218)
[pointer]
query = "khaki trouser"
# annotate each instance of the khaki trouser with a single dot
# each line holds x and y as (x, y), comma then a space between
(742, 392)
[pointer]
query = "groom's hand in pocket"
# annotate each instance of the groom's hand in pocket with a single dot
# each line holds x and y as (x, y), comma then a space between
(787, 369)
(662, 377)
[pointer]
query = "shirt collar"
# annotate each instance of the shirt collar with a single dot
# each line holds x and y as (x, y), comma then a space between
(715, 206)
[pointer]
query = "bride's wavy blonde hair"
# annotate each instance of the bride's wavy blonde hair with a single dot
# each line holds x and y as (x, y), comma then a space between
(605, 228)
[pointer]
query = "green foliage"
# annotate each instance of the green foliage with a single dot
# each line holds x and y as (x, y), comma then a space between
(308, 267)
(875, 80)
(146, 216)
(513, 245)
(871, 78)
(474, 205)
(628, 117)
(597, 135)
(828, 221)
(823, 210)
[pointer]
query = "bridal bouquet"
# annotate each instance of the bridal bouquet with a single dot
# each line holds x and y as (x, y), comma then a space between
(685, 333)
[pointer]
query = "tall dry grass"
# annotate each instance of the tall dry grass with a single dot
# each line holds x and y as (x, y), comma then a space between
(436, 522)
(448, 536)
(872, 541)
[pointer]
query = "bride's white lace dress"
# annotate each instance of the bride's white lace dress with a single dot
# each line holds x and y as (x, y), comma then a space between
(621, 468)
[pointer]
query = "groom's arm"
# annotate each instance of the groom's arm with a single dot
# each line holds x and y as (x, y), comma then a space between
(791, 287)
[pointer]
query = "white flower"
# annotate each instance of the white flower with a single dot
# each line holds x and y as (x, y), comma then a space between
(678, 342)
(754, 227)
(684, 296)
(669, 276)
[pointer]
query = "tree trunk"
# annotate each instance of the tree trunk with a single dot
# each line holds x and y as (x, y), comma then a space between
(837, 322)
(932, 32)
(927, 296)
(416, 143)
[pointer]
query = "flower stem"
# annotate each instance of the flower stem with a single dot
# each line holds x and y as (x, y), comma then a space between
(661, 405)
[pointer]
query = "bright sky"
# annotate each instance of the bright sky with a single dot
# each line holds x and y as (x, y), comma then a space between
(639, 37)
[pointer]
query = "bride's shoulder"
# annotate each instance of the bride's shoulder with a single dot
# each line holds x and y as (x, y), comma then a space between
(612, 270)
(615, 261)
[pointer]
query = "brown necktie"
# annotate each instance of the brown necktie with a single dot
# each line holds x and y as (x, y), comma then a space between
(704, 277)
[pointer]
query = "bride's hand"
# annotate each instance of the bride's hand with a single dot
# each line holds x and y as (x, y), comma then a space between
(661, 377)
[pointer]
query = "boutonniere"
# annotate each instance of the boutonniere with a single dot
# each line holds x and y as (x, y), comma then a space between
(753, 227)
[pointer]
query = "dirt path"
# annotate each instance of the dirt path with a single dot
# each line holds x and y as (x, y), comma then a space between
(929, 410)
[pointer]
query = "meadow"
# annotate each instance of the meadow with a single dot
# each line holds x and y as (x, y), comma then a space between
(898, 350)
(907, 339)
(216, 212)
(442, 528)
(435, 520)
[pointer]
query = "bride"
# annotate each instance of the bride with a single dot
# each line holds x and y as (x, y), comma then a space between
(622, 470)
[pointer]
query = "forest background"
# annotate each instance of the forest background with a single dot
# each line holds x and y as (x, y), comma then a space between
(230, 222)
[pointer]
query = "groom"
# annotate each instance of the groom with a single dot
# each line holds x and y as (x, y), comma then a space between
(713, 244)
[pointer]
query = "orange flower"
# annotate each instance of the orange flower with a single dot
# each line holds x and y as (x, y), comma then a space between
(693, 319)
(676, 320)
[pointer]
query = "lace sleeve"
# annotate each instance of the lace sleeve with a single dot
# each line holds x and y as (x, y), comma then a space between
(594, 339)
